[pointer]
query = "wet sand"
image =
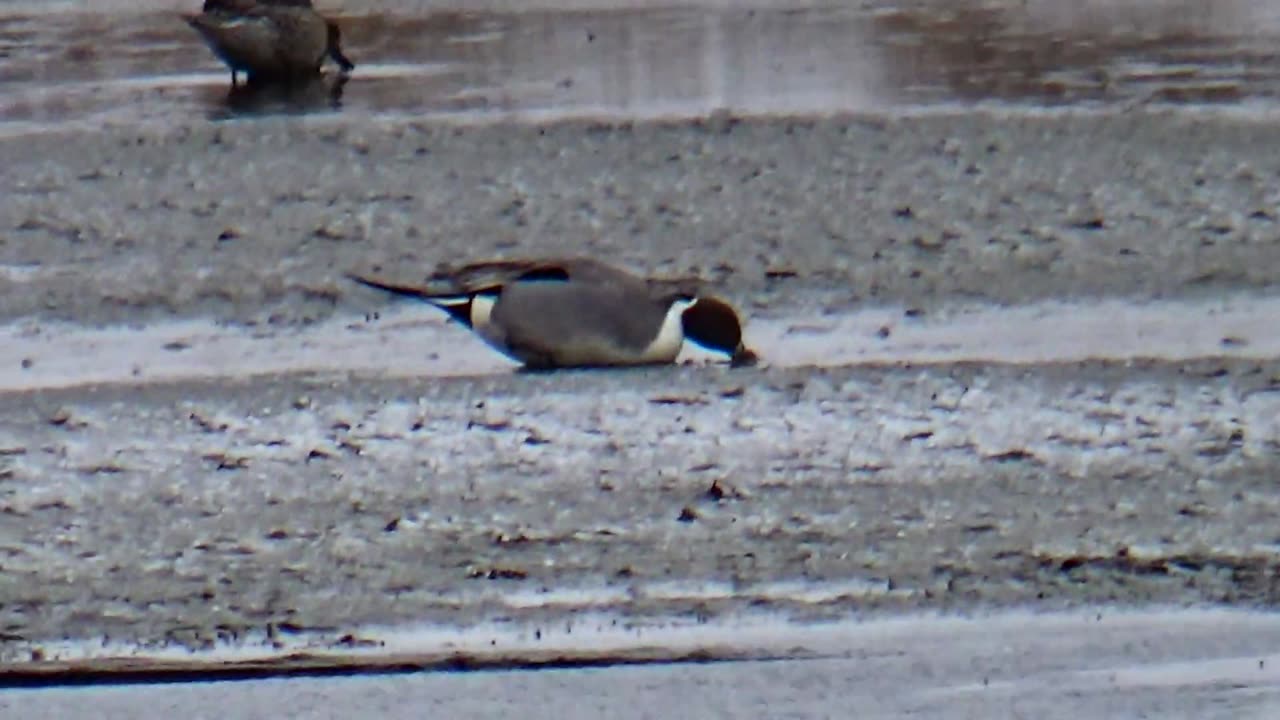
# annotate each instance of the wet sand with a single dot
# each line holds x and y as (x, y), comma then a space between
(193, 512)
(810, 215)
(1016, 357)
(1182, 664)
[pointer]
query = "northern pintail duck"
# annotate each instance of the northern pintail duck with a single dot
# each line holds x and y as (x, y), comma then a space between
(579, 312)
(270, 39)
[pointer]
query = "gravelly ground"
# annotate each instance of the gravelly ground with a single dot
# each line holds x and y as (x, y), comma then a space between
(185, 512)
(257, 221)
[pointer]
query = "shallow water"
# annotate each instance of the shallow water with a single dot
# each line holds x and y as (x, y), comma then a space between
(60, 64)
(1170, 664)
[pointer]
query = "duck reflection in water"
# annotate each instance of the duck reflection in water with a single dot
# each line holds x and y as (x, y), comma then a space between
(319, 93)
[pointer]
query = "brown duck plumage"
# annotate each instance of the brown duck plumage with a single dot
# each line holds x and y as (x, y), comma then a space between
(270, 39)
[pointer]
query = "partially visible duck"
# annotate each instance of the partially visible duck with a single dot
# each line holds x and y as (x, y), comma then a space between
(579, 312)
(270, 39)
(239, 6)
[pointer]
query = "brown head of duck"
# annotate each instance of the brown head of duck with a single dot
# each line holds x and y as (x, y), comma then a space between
(714, 324)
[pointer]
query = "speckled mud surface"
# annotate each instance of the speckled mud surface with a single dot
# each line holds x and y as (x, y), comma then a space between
(192, 511)
(922, 461)
(259, 221)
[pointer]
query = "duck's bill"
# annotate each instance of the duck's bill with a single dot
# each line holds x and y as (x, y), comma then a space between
(743, 357)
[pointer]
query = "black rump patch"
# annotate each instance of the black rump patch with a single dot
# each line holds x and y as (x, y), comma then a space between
(460, 311)
(550, 272)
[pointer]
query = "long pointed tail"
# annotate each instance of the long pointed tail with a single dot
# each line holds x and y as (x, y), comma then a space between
(413, 291)
(458, 306)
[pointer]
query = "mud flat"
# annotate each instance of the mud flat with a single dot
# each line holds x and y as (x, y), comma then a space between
(1021, 387)
(192, 512)
(312, 499)
(257, 221)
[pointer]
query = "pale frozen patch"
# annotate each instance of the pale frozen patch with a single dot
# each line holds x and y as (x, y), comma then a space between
(684, 591)
(811, 593)
(1259, 669)
(24, 273)
(567, 598)
(1051, 331)
(416, 345)
(407, 342)
(1254, 671)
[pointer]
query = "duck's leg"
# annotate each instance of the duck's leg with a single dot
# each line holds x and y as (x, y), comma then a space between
(333, 48)
(344, 65)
